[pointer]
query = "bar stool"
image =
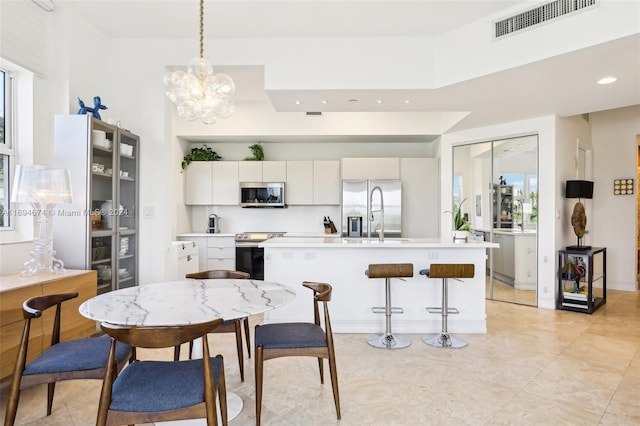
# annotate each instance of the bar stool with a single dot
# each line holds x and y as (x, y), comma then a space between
(446, 271)
(388, 271)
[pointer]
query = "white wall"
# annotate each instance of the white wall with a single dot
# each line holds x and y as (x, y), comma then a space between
(615, 216)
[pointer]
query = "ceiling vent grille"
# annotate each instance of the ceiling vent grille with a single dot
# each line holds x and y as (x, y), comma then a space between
(540, 14)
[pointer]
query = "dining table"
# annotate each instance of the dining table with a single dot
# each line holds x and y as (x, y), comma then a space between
(189, 302)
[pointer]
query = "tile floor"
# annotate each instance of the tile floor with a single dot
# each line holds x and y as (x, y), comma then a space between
(533, 367)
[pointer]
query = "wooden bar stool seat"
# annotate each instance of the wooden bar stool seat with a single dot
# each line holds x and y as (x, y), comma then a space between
(388, 271)
(446, 271)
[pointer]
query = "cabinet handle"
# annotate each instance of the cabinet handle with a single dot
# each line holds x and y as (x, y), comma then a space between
(189, 258)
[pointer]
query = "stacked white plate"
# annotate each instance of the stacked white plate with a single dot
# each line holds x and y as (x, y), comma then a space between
(124, 245)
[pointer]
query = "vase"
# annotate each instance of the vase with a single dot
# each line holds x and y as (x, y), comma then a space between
(460, 236)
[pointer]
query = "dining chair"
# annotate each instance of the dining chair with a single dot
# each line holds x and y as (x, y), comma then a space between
(298, 339)
(67, 360)
(230, 326)
(151, 391)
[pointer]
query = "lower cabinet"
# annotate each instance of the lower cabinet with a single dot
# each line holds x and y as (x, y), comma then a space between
(215, 252)
(14, 290)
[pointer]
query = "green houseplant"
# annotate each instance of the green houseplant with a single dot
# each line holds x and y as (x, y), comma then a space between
(461, 226)
(203, 153)
(258, 153)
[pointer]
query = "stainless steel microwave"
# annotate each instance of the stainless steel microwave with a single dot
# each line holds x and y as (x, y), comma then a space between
(262, 194)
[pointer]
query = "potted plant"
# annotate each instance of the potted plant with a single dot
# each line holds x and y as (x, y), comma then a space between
(461, 226)
(203, 153)
(258, 153)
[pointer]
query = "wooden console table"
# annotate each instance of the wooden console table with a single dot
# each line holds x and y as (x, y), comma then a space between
(15, 289)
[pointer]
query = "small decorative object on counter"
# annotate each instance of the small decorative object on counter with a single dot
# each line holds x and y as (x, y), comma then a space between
(329, 226)
(95, 111)
(461, 225)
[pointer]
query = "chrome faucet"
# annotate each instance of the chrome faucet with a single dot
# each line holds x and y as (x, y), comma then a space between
(381, 210)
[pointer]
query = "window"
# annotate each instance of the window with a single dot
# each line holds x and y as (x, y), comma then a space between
(6, 147)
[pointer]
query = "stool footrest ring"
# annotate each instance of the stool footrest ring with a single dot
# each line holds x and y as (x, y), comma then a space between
(438, 310)
(383, 310)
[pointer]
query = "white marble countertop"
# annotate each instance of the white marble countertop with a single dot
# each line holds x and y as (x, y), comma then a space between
(511, 231)
(204, 234)
(186, 302)
(332, 242)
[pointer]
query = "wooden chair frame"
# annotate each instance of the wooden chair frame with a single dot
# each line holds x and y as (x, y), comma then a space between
(161, 337)
(236, 327)
(322, 294)
(33, 308)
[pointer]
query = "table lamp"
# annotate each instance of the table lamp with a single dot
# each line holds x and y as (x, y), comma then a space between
(579, 189)
(43, 187)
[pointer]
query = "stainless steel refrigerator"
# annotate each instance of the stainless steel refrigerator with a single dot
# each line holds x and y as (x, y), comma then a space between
(355, 202)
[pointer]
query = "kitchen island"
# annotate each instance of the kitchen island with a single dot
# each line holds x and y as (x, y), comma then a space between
(342, 262)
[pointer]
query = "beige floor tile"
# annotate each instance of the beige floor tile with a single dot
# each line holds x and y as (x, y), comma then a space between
(533, 367)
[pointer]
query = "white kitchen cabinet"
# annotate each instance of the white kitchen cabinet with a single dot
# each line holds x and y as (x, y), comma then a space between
(274, 171)
(215, 252)
(326, 182)
(198, 180)
(299, 183)
(250, 171)
(526, 262)
(370, 168)
(221, 253)
(262, 171)
(508, 261)
(226, 190)
(420, 193)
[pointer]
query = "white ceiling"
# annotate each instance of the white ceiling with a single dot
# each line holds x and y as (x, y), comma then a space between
(562, 85)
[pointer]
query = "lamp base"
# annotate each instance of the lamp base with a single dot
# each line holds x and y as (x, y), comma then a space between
(579, 248)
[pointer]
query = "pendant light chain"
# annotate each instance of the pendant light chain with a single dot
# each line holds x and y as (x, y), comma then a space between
(201, 29)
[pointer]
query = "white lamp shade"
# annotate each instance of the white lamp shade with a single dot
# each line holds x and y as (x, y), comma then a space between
(41, 184)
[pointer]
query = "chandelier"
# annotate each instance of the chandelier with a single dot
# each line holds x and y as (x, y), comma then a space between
(198, 92)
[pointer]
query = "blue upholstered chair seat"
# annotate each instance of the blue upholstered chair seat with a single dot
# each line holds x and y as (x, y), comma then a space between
(290, 335)
(161, 385)
(62, 357)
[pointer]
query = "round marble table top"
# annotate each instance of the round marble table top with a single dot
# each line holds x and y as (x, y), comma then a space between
(186, 302)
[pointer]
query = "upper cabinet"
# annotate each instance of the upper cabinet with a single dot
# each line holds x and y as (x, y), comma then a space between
(299, 185)
(262, 171)
(370, 168)
(326, 182)
(313, 182)
(198, 183)
(212, 182)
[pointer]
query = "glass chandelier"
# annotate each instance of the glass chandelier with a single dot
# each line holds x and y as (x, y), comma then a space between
(198, 93)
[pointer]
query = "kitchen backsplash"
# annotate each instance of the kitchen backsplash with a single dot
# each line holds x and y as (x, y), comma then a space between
(291, 219)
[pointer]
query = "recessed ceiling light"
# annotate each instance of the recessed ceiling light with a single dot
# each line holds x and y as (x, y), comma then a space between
(607, 80)
(298, 102)
(324, 101)
(353, 101)
(407, 101)
(379, 101)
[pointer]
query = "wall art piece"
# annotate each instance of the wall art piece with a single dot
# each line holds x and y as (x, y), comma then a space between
(623, 186)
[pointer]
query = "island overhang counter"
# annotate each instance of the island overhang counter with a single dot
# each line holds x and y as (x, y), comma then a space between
(342, 262)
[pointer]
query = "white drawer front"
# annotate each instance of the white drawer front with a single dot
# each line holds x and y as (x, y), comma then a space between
(229, 264)
(221, 253)
(221, 242)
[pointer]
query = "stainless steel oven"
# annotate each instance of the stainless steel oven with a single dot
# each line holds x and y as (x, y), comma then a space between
(250, 257)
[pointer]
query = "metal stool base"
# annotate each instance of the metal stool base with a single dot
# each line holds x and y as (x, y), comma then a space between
(388, 341)
(444, 340)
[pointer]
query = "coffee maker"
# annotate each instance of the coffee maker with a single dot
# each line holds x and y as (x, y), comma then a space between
(214, 224)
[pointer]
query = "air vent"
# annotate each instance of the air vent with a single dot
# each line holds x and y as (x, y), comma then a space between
(314, 113)
(540, 14)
